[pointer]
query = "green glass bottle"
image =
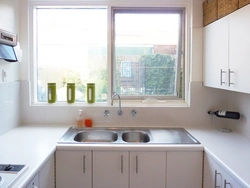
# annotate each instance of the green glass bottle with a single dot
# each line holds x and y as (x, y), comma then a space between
(51, 94)
(91, 92)
(71, 92)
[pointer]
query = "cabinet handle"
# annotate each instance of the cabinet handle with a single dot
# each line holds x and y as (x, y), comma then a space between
(225, 184)
(229, 78)
(222, 72)
(84, 166)
(215, 179)
(122, 164)
(136, 164)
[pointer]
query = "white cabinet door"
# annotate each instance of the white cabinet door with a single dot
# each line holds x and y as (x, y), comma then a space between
(215, 54)
(147, 169)
(239, 56)
(110, 169)
(34, 183)
(226, 57)
(184, 169)
(212, 173)
(215, 176)
(46, 174)
(74, 169)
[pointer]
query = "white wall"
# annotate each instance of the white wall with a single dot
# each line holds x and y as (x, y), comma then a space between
(240, 102)
(10, 90)
(202, 99)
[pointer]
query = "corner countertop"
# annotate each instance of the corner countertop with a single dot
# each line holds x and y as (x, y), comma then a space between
(29, 145)
(34, 145)
(230, 150)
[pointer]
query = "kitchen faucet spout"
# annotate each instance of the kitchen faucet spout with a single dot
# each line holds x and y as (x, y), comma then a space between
(119, 112)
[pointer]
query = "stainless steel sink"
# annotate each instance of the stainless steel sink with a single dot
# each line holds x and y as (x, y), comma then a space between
(96, 136)
(101, 135)
(135, 136)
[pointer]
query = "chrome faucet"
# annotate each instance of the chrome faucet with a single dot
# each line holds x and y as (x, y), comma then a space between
(119, 112)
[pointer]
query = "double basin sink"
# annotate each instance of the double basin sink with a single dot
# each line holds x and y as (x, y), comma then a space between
(100, 135)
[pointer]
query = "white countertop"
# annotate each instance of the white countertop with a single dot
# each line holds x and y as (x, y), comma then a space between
(231, 150)
(33, 145)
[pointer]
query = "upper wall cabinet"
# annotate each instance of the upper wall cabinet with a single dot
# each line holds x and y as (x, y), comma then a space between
(226, 50)
(239, 48)
(215, 54)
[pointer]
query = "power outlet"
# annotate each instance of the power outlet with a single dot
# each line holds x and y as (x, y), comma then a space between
(4, 75)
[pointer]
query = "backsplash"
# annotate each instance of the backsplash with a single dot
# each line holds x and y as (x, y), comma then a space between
(240, 102)
(202, 100)
(15, 108)
(9, 106)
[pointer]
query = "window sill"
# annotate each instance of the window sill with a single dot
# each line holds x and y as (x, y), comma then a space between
(138, 103)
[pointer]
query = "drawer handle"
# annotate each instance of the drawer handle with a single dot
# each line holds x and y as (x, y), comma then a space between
(222, 72)
(136, 165)
(84, 165)
(215, 179)
(229, 78)
(122, 164)
(225, 184)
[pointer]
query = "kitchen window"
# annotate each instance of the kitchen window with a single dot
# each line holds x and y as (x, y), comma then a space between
(138, 55)
(151, 40)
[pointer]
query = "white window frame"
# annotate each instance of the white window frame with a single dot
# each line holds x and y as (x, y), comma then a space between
(109, 4)
(179, 55)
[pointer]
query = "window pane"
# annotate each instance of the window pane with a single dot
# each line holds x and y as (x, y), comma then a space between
(71, 47)
(150, 42)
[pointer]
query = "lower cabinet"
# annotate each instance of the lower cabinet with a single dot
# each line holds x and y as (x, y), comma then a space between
(216, 177)
(121, 169)
(132, 169)
(74, 169)
(148, 169)
(45, 177)
(128, 169)
(110, 169)
(34, 183)
(47, 174)
(184, 169)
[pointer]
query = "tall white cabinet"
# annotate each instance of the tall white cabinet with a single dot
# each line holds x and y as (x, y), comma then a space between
(226, 56)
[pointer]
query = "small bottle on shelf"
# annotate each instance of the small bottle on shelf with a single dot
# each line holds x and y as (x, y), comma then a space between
(79, 119)
(225, 114)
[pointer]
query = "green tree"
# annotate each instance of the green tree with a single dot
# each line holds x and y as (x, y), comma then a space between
(74, 77)
(160, 71)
